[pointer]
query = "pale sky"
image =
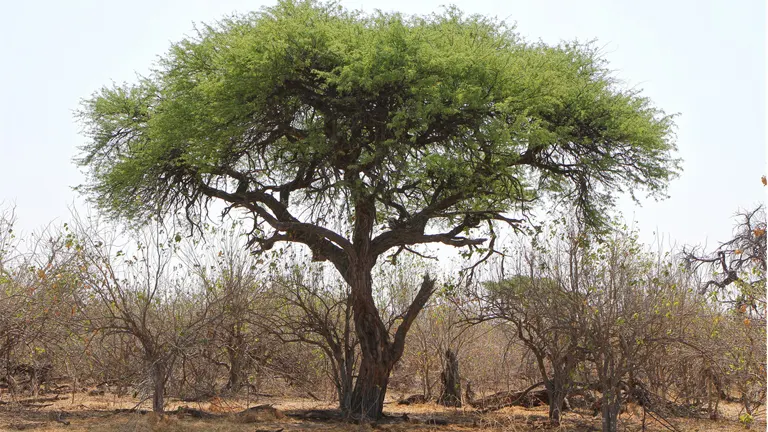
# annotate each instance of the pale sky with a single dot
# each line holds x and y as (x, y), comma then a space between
(704, 60)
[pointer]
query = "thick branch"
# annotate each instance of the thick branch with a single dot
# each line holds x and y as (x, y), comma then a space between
(421, 299)
(322, 240)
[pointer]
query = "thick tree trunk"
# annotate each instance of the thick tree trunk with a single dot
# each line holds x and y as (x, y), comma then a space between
(370, 389)
(378, 352)
(377, 358)
(451, 394)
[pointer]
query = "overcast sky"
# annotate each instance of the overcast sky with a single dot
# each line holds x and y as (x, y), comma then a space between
(703, 60)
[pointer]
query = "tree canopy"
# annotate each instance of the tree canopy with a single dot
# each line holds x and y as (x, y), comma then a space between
(300, 111)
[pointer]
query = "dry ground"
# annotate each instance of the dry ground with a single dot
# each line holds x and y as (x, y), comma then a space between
(98, 413)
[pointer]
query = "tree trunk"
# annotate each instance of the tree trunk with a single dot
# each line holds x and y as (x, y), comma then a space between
(610, 410)
(344, 392)
(157, 374)
(234, 383)
(451, 394)
(235, 353)
(370, 389)
(34, 380)
(713, 397)
(556, 394)
(344, 380)
(375, 348)
(378, 353)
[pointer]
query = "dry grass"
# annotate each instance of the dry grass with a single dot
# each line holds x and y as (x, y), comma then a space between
(97, 413)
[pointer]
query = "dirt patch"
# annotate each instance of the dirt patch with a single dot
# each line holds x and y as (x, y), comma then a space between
(259, 414)
(107, 413)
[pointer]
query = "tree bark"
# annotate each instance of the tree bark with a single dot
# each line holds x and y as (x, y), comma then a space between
(157, 375)
(610, 407)
(556, 393)
(344, 378)
(370, 389)
(235, 353)
(451, 394)
(344, 392)
(378, 353)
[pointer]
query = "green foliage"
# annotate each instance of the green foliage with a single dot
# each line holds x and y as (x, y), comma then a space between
(746, 419)
(409, 112)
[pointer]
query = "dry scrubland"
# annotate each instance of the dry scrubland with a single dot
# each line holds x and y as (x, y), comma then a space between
(341, 148)
(653, 339)
(108, 413)
(282, 340)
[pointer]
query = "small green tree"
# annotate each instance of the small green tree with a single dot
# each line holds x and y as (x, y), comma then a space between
(358, 134)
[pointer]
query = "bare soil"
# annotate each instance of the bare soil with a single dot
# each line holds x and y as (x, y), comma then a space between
(108, 413)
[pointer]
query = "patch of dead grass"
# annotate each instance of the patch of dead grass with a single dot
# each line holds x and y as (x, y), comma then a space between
(96, 413)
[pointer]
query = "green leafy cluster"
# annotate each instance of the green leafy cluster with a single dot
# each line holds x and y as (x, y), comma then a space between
(408, 111)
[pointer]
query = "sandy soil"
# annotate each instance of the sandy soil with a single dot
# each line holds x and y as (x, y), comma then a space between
(98, 413)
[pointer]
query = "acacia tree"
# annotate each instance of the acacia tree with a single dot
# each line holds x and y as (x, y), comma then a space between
(360, 134)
